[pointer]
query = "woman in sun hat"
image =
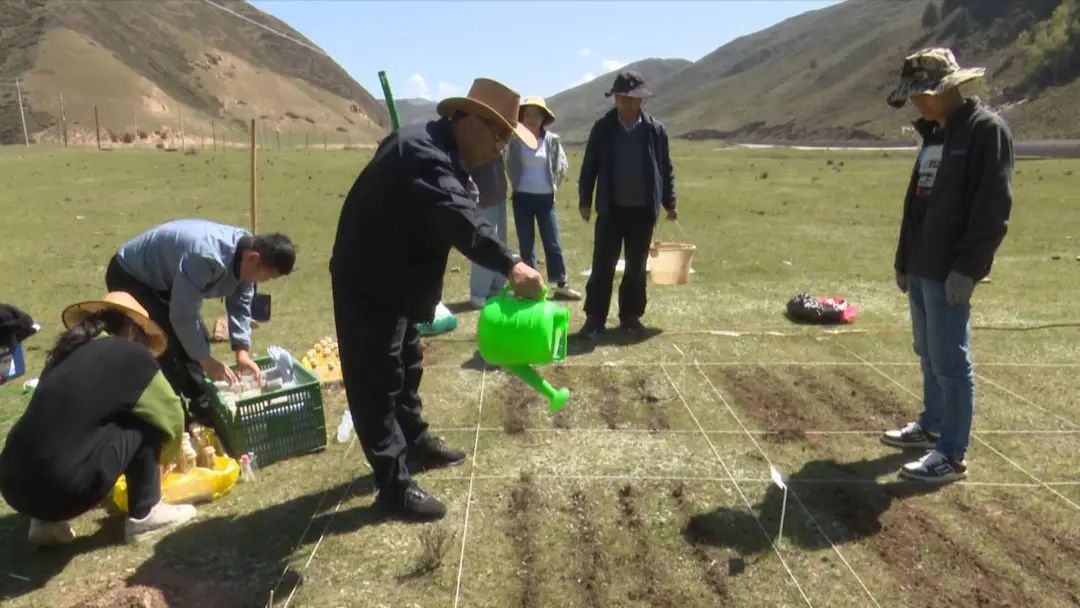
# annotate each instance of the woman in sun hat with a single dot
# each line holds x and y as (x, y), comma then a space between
(102, 409)
(535, 176)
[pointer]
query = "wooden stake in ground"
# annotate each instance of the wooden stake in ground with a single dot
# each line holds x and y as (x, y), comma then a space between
(59, 128)
(254, 175)
(63, 118)
(97, 128)
(22, 115)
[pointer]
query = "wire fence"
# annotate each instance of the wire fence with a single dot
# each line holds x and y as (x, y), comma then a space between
(75, 123)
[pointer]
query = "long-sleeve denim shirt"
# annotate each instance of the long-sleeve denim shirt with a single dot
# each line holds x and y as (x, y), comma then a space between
(188, 261)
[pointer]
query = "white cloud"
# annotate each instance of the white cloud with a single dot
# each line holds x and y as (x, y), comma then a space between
(445, 89)
(419, 87)
(585, 52)
(584, 78)
(610, 65)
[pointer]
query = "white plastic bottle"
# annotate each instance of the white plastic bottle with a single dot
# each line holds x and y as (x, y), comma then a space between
(345, 428)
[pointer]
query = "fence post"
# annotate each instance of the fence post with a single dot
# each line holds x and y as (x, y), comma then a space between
(254, 209)
(22, 115)
(97, 128)
(63, 117)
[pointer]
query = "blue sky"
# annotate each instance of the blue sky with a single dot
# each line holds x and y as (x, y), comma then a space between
(435, 49)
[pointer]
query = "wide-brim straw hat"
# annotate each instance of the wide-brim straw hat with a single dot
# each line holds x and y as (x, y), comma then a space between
(930, 72)
(123, 303)
(539, 102)
(493, 101)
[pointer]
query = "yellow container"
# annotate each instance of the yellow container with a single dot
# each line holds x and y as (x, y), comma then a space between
(670, 263)
(197, 485)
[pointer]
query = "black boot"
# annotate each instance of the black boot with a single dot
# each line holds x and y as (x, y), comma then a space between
(411, 502)
(430, 452)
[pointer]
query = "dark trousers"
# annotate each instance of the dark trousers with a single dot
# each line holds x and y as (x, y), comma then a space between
(618, 226)
(183, 373)
(539, 210)
(381, 366)
(125, 446)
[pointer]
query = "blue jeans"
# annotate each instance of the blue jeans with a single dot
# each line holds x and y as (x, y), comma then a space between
(943, 342)
(542, 208)
(484, 282)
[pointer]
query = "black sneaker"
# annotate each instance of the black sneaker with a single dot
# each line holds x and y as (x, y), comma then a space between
(431, 452)
(412, 503)
(911, 436)
(633, 326)
(593, 327)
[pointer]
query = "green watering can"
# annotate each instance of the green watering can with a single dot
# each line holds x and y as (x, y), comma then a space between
(516, 334)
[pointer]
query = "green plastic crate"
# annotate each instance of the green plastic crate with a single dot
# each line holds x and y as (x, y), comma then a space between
(276, 425)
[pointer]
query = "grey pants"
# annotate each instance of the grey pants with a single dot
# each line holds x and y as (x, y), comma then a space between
(484, 282)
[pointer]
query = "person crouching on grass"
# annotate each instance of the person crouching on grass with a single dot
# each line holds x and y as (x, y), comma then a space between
(101, 409)
(956, 214)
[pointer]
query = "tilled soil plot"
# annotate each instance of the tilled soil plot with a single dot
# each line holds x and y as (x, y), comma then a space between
(522, 521)
(654, 405)
(654, 588)
(593, 577)
(770, 400)
(711, 570)
(888, 519)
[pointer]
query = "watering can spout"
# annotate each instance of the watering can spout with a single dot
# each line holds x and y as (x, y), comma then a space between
(556, 397)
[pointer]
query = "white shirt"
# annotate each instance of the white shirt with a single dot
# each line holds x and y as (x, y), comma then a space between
(929, 161)
(535, 169)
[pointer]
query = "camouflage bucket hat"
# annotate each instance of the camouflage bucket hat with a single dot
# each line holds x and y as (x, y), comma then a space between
(930, 71)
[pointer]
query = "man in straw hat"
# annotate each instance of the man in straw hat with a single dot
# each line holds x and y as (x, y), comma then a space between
(628, 163)
(101, 409)
(956, 213)
(408, 207)
(170, 269)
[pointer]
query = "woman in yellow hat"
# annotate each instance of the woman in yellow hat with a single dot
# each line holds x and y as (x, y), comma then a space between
(535, 176)
(102, 408)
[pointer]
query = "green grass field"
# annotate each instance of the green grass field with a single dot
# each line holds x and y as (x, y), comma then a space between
(652, 488)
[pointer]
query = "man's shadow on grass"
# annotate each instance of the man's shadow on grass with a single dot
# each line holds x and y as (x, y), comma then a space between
(222, 561)
(24, 569)
(847, 506)
(612, 336)
(229, 561)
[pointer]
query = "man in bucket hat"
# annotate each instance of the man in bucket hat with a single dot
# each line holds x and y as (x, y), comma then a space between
(408, 207)
(956, 213)
(628, 164)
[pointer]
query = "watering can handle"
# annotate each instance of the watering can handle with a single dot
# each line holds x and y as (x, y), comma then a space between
(507, 290)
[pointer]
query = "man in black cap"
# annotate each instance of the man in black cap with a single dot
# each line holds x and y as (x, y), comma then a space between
(627, 162)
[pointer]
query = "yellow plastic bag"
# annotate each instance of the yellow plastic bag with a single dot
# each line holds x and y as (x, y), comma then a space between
(197, 485)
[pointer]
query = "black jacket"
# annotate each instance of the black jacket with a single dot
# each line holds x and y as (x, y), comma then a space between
(598, 166)
(63, 427)
(967, 211)
(399, 220)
